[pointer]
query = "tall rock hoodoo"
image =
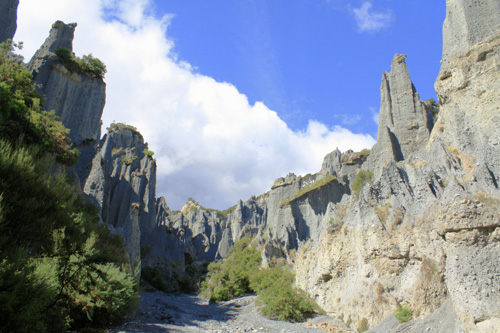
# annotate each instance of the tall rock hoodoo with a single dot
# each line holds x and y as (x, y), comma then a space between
(8, 19)
(122, 183)
(76, 97)
(405, 122)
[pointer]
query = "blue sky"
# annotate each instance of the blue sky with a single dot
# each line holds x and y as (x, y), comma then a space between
(309, 58)
(231, 95)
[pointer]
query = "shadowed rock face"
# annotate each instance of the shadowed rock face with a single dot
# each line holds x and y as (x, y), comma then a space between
(122, 183)
(76, 98)
(468, 22)
(8, 19)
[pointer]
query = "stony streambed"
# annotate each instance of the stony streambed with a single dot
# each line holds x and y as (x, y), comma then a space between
(160, 312)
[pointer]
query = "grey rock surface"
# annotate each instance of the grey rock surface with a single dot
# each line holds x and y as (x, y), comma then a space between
(443, 320)
(8, 19)
(405, 123)
(423, 229)
(122, 183)
(160, 312)
(468, 22)
(76, 98)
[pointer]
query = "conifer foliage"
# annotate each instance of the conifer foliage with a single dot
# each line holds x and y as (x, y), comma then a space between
(59, 268)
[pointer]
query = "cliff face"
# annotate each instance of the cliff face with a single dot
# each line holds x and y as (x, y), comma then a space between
(424, 227)
(77, 99)
(421, 226)
(8, 19)
(425, 230)
(122, 183)
(467, 23)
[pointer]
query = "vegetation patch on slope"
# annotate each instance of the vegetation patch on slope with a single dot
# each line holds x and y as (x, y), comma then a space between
(362, 178)
(240, 273)
(307, 189)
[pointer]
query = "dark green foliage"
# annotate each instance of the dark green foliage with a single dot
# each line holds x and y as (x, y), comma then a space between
(283, 302)
(240, 274)
(403, 313)
(59, 268)
(232, 278)
(155, 278)
(21, 115)
(362, 178)
(265, 278)
(52, 246)
(87, 65)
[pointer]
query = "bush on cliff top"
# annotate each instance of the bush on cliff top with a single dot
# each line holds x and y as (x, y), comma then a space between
(86, 65)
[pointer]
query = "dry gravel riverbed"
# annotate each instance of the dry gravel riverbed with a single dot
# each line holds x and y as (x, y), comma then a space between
(160, 312)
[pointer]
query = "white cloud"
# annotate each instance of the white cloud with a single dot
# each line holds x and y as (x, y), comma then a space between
(209, 142)
(369, 20)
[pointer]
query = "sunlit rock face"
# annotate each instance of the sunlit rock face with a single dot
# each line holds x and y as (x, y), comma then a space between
(468, 22)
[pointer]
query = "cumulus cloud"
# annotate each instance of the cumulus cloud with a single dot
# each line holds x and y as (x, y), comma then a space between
(209, 141)
(369, 20)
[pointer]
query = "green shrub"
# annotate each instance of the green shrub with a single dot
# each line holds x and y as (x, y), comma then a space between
(121, 126)
(148, 153)
(231, 278)
(430, 101)
(59, 268)
(365, 152)
(128, 159)
(87, 65)
(21, 115)
(265, 278)
(362, 178)
(53, 247)
(282, 302)
(155, 278)
(403, 313)
(240, 273)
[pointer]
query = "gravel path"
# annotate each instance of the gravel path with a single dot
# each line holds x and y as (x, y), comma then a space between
(160, 312)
